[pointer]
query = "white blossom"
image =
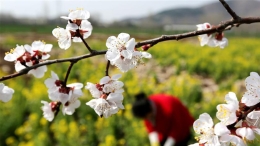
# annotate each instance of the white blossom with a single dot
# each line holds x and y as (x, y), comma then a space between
(78, 14)
(210, 40)
(37, 72)
(252, 95)
(248, 133)
(16, 55)
(225, 136)
(220, 135)
(107, 95)
(85, 29)
(63, 36)
(6, 93)
(48, 114)
(73, 102)
(39, 49)
(204, 38)
(221, 42)
(227, 112)
(68, 95)
(204, 127)
(121, 52)
(26, 56)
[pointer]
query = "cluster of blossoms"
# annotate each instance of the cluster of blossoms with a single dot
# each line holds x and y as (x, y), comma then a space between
(26, 56)
(239, 121)
(121, 52)
(78, 26)
(107, 95)
(211, 40)
(60, 93)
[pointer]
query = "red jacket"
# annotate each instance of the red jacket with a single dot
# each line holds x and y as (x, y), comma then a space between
(172, 118)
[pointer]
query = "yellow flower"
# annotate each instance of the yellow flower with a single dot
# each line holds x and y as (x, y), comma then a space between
(10, 141)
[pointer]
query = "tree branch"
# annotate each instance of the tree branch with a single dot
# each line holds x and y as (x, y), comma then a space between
(229, 10)
(68, 72)
(107, 68)
(49, 62)
(226, 25)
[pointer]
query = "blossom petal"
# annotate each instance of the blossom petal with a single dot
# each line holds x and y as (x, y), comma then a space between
(116, 76)
(111, 42)
(221, 129)
(38, 72)
(104, 80)
(115, 97)
(130, 45)
(124, 37)
(203, 123)
(18, 66)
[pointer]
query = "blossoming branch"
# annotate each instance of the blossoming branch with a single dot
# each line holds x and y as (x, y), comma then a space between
(239, 120)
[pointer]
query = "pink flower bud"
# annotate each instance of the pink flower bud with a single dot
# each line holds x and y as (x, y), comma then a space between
(146, 47)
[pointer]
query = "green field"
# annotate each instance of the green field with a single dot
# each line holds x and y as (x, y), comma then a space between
(200, 76)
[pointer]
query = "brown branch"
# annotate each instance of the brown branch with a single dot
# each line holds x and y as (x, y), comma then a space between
(244, 114)
(85, 43)
(229, 10)
(221, 27)
(226, 25)
(68, 72)
(81, 37)
(49, 62)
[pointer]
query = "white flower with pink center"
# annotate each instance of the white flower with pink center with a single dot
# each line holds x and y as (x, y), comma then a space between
(84, 29)
(204, 38)
(208, 39)
(47, 109)
(77, 26)
(27, 56)
(121, 52)
(73, 102)
(17, 55)
(107, 96)
(66, 94)
(39, 49)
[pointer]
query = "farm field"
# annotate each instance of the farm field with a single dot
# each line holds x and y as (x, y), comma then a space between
(199, 76)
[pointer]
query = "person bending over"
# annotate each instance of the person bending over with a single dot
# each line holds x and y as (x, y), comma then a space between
(167, 120)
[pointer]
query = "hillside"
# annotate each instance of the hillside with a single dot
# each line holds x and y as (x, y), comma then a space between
(212, 13)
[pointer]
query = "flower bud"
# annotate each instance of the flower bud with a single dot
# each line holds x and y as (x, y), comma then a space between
(146, 47)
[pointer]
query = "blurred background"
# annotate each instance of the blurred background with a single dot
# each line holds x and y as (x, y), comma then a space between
(199, 76)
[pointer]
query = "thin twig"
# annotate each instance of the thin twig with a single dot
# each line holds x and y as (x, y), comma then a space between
(85, 43)
(243, 115)
(229, 10)
(68, 72)
(107, 68)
